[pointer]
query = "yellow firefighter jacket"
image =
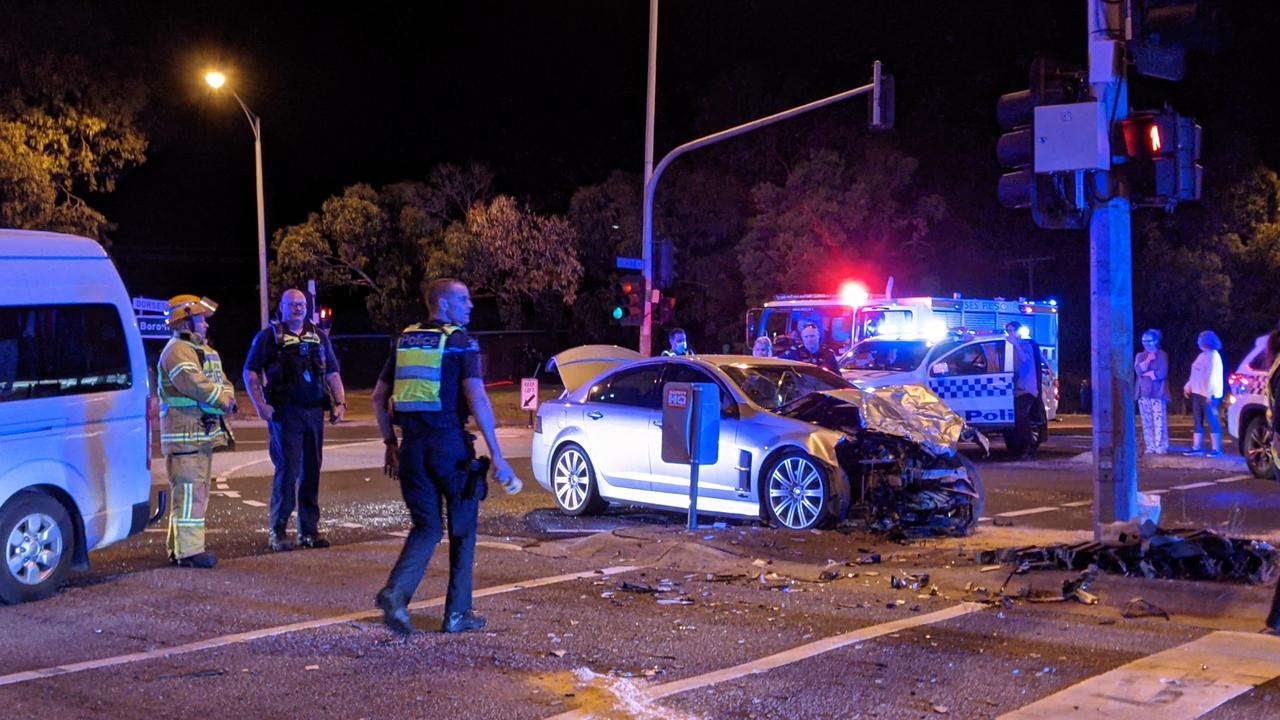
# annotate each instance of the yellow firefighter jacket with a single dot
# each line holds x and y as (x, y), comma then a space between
(191, 386)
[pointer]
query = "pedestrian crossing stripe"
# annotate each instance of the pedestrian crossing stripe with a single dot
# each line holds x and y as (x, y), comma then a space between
(1180, 683)
(974, 386)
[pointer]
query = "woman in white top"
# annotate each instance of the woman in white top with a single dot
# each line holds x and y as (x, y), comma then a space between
(1204, 387)
(763, 347)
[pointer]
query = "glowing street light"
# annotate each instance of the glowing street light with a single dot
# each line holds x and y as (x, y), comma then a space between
(217, 80)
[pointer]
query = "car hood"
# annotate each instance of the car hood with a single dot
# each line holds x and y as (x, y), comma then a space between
(908, 411)
(580, 365)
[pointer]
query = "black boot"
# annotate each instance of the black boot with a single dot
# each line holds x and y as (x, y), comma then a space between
(456, 622)
(279, 542)
(312, 541)
(394, 613)
(1273, 618)
(199, 560)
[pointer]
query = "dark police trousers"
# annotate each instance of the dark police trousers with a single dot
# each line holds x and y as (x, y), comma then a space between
(297, 439)
(433, 475)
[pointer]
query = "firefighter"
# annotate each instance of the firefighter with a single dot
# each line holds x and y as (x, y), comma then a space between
(194, 400)
(292, 378)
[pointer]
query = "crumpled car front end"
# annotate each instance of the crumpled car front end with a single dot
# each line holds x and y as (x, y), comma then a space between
(898, 446)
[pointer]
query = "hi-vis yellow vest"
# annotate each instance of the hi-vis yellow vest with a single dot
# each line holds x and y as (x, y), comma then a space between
(419, 356)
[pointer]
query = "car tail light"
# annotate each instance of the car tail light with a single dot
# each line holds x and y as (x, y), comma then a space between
(537, 424)
(1057, 391)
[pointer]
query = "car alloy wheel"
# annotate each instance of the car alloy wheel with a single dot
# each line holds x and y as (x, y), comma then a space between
(795, 492)
(1257, 447)
(571, 479)
(33, 550)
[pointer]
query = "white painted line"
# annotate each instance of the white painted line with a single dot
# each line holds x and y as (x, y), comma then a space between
(1161, 491)
(1078, 503)
(1030, 511)
(399, 533)
(259, 461)
(157, 530)
(236, 638)
(353, 526)
(984, 519)
(1234, 478)
(1193, 486)
(253, 503)
(786, 657)
(225, 493)
(223, 486)
(497, 545)
(1180, 683)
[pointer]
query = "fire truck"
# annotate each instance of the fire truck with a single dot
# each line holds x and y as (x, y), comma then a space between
(854, 315)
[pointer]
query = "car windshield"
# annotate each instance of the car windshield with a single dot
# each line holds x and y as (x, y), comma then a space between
(892, 355)
(774, 385)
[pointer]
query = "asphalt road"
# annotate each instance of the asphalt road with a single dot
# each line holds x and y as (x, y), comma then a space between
(629, 616)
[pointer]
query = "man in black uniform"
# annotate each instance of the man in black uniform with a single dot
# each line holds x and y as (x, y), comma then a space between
(430, 381)
(679, 343)
(292, 377)
(811, 351)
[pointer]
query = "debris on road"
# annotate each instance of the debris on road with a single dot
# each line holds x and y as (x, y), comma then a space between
(1140, 607)
(1151, 552)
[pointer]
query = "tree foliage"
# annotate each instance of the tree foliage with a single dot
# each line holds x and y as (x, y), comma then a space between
(830, 219)
(69, 125)
(382, 243)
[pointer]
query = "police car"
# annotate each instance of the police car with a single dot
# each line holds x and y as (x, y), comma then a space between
(972, 373)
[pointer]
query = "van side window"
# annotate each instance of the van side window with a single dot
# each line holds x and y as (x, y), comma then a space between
(51, 350)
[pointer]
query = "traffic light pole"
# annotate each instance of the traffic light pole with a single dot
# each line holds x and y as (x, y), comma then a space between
(1115, 466)
(646, 327)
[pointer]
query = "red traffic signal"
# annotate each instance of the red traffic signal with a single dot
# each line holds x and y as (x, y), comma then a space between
(1162, 154)
(325, 317)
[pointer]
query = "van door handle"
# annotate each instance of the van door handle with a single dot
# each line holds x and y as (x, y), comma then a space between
(657, 423)
(595, 414)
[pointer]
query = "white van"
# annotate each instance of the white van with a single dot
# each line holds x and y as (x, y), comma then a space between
(75, 453)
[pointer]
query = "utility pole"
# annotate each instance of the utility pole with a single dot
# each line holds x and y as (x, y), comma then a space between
(1115, 465)
(1029, 264)
(646, 321)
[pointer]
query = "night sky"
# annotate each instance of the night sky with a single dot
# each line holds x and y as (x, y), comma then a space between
(551, 94)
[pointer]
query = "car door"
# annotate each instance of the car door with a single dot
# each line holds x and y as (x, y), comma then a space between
(714, 481)
(976, 381)
(620, 417)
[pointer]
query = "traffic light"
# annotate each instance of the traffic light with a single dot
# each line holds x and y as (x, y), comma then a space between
(326, 318)
(1162, 153)
(667, 311)
(1163, 30)
(1050, 196)
(628, 305)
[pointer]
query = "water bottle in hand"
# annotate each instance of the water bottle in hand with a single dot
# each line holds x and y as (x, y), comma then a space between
(509, 481)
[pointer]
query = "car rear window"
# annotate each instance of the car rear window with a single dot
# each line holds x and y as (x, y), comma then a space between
(52, 350)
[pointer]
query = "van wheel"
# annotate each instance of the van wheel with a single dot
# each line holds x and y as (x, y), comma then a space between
(37, 537)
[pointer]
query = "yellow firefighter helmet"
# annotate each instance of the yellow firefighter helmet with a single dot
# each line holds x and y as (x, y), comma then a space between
(182, 307)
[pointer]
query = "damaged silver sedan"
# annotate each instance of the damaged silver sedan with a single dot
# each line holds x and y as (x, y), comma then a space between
(799, 447)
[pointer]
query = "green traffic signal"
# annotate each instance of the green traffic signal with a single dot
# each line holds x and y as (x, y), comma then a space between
(618, 312)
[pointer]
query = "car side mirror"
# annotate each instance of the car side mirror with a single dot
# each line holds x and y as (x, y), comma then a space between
(940, 368)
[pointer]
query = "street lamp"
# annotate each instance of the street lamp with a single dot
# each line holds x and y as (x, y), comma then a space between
(216, 80)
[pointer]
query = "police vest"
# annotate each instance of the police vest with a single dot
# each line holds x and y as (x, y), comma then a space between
(419, 358)
(295, 367)
(210, 364)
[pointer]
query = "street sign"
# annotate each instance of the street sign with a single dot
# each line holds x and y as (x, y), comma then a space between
(145, 305)
(691, 431)
(529, 394)
(153, 327)
(626, 263)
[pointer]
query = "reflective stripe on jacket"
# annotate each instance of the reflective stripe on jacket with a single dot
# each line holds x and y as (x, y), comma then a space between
(419, 357)
(190, 385)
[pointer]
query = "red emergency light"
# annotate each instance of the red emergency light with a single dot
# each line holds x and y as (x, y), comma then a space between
(853, 292)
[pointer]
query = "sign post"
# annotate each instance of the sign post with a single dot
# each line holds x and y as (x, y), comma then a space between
(529, 396)
(691, 431)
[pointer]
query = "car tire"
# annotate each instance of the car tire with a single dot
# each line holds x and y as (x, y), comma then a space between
(797, 491)
(39, 540)
(1255, 446)
(978, 503)
(1039, 432)
(573, 482)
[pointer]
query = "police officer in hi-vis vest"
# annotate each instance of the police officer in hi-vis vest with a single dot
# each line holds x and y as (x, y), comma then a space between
(194, 397)
(431, 383)
(292, 378)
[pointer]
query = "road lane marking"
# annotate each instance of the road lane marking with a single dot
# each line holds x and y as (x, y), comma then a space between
(1182, 682)
(1235, 478)
(351, 525)
(786, 657)
(244, 637)
(1029, 511)
(1076, 504)
(254, 503)
(233, 470)
(1158, 491)
(226, 493)
(1193, 486)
